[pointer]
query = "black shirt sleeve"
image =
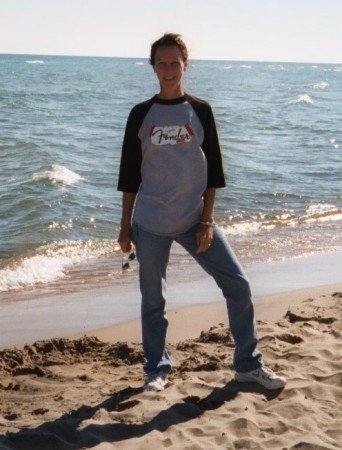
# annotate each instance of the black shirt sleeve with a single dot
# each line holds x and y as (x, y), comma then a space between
(131, 156)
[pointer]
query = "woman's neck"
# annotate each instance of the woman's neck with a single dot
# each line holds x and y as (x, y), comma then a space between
(166, 94)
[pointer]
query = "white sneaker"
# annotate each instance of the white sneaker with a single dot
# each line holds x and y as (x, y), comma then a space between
(156, 382)
(264, 376)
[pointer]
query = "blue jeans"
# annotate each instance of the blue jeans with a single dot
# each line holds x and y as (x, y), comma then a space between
(220, 262)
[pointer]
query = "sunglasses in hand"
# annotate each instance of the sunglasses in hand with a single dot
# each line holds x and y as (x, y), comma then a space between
(126, 260)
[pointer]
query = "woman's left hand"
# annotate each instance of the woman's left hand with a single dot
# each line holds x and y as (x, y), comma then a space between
(204, 237)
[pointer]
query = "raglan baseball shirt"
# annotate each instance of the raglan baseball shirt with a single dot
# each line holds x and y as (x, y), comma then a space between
(170, 155)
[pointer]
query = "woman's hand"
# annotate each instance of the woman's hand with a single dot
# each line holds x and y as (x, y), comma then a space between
(125, 239)
(204, 237)
(205, 230)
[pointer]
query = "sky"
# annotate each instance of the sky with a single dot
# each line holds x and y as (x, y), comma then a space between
(243, 30)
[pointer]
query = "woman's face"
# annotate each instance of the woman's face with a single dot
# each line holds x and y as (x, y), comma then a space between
(169, 68)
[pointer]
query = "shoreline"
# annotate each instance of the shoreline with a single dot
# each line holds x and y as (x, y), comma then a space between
(99, 308)
(189, 321)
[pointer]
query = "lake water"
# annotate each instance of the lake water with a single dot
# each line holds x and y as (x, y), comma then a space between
(62, 121)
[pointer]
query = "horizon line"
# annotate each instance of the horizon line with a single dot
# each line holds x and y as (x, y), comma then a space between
(147, 59)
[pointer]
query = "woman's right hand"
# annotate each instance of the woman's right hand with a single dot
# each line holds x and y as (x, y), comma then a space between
(125, 239)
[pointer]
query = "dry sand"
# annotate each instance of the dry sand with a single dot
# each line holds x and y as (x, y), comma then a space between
(86, 392)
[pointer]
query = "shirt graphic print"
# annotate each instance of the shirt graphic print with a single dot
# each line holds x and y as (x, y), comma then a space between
(164, 135)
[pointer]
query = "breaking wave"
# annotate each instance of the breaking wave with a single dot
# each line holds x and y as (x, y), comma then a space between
(316, 213)
(51, 262)
(58, 174)
(302, 98)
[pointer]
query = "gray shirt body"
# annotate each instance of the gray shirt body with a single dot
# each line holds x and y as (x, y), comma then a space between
(173, 166)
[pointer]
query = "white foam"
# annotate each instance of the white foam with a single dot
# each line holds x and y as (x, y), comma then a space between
(320, 85)
(302, 98)
(320, 208)
(35, 61)
(31, 271)
(51, 262)
(62, 226)
(315, 213)
(242, 228)
(58, 174)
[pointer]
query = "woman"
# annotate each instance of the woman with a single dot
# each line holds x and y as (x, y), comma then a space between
(170, 169)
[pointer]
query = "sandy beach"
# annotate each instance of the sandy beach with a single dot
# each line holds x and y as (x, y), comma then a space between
(86, 391)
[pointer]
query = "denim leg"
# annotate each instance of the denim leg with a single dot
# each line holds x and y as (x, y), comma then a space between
(153, 255)
(220, 262)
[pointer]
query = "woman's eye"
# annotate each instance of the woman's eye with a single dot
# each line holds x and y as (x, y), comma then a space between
(174, 65)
